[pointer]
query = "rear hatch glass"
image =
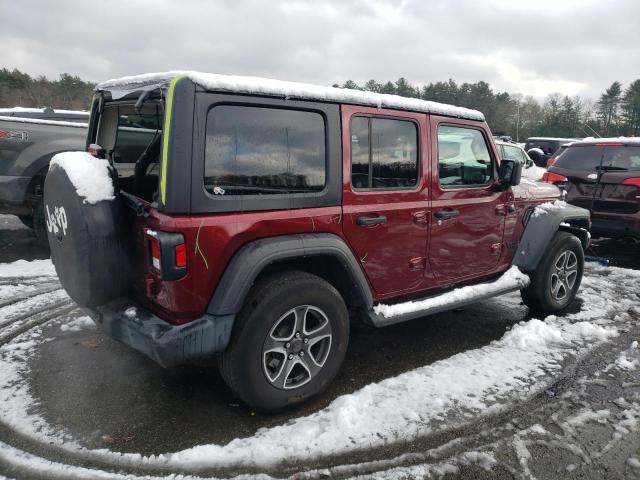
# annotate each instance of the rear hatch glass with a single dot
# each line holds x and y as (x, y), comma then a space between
(596, 174)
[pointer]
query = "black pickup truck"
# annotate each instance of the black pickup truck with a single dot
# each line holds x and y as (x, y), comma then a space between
(29, 137)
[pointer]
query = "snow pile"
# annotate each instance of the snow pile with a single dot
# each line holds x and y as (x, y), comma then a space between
(22, 268)
(89, 175)
(77, 324)
(626, 361)
(547, 207)
(42, 110)
(512, 278)
(279, 88)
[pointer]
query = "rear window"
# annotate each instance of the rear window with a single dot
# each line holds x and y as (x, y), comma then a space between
(258, 150)
(588, 157)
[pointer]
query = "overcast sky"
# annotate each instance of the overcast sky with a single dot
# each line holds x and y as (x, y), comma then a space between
(529, 47)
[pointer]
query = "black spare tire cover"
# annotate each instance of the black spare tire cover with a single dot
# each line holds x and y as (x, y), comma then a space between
(89, 242)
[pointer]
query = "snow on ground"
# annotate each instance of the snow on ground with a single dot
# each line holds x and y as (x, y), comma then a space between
(78, 324)
(10, 222)
(89, 175)
(434, 398)
(22, 268)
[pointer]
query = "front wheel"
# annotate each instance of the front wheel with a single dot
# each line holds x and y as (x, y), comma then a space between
(288, 343)
(556, 281)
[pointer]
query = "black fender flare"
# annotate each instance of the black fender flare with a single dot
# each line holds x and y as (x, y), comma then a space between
(255, 256)
(540, 229)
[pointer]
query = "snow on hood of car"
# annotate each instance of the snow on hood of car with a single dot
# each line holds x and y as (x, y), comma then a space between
(280, 88)
(547, 207)
(89, 175)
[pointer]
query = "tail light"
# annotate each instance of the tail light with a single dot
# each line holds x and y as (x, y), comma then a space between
(96, 150)
(554, 178)
(550, 162)
(4, 134)
(632, 181)
(168, 254)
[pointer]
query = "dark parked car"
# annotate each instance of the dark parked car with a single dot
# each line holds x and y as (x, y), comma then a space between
(29, 137)
(262, 215)
(603, 175)
(548, 145)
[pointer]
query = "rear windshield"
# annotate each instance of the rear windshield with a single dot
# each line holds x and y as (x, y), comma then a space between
(589, 157)
(257, 150)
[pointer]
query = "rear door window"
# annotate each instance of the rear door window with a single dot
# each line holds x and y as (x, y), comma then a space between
(514, 153)
(384, 153)
(259, 150)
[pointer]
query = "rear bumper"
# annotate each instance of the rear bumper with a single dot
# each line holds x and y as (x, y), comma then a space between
(166, 344)
(13, 194)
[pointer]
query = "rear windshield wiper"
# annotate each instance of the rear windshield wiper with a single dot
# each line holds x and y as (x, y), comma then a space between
(611, 168)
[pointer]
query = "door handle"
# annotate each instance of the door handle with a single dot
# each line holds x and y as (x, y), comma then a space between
(368, 221)
(446, 214)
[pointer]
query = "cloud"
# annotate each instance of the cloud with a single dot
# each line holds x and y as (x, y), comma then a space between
(571, 47)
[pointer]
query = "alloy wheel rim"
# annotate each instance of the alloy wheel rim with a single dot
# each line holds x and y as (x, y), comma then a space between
(297, 347)
(564, 275)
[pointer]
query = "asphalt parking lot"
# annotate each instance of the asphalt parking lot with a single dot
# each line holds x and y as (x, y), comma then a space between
(103, 395)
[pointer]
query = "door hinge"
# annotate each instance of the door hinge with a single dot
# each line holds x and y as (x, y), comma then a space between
(417, 263)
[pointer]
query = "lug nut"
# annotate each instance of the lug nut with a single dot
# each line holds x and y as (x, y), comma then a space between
(297, 334)
(301, 354)
(287, 345)
(306, 340)
(290, 356)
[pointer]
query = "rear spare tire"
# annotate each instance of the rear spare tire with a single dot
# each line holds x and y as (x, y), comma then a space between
(87, 229)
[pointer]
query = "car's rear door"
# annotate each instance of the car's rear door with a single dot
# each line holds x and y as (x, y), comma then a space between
(385, 195)
(468, 218)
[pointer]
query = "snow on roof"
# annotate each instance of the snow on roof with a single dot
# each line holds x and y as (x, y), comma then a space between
(279, 88)
(42, 110)
(44, 122)
(626, 140)
(552, 138)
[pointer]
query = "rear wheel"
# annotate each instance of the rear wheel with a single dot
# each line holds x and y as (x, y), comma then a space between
(556, 281)
(288, 343)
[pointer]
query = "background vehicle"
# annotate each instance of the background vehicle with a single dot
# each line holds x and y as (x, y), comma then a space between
(603, 176)
(29, 137)
(512, 151)
(261, 215)
(549, 145)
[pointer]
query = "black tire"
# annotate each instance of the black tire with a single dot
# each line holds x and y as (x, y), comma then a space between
(26, 220)
(262, 319)
(555, 274)
(90, 243)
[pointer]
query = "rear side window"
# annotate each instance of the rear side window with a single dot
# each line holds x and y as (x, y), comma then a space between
(384, 153)
(258, 150)
(589, 157)
(463, 157)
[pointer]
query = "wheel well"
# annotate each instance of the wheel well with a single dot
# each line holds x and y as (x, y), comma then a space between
(579, 228)
(327, 267)
(36, 185)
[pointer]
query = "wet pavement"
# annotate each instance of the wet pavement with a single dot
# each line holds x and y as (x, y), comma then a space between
(85, 382)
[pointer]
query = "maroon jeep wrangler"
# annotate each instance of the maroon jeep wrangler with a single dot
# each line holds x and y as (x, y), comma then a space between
(261, 216)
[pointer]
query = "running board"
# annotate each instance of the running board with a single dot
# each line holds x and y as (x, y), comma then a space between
(382, 315)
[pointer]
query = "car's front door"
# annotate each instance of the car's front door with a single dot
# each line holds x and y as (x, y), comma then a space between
(468, 211)
(385, 195)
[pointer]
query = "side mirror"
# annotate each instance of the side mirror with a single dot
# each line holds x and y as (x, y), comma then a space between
(510, 173)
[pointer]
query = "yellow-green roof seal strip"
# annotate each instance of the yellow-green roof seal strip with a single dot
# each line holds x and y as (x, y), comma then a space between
(166, 130)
